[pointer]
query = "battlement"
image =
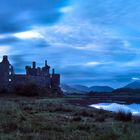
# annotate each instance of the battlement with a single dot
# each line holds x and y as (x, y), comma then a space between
(37, 71)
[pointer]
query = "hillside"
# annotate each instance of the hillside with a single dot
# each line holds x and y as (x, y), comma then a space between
(133, 85)
(84, 89)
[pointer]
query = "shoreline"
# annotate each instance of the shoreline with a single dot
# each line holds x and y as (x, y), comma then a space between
(104, 98)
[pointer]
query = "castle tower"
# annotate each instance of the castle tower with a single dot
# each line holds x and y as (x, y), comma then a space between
(55, 80)
(46, 69)
(46, 63)
(5, 59)
(53, 71)
(34, 65)
(6, 71)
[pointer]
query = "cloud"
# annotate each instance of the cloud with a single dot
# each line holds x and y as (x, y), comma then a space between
(19, 61)
(20, 16)
(66, 9)
(4, 50)
(90, 42)
(108, 12)
(8, 40)
(136, 78)
(77, 42)
(93, 63)
(28, 35)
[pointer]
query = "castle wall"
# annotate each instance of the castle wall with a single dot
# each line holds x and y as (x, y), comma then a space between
(18, 80)
(55, 81)
(40, 81)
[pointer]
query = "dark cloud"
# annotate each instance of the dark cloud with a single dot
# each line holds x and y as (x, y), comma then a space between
(19, 62)
(8, 40)
(16, 16)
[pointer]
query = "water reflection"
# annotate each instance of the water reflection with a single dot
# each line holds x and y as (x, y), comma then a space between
(133, 108)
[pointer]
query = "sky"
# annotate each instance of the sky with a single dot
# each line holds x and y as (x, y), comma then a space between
(89, 42)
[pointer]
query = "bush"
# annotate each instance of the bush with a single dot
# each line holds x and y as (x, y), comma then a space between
(27, 90)
(123, 116)
(3, 91)
(84, 113)
(136, 119)
(76, 119)
(100, 119)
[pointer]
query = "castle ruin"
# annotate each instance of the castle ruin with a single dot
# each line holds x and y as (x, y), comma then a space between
(39, 76)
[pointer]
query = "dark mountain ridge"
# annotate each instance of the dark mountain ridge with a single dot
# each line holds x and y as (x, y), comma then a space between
(81, 89)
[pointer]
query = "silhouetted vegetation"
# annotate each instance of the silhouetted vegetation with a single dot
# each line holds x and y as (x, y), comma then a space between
(100, 119)
(123, 116)
(76, 119)
(32, 89)
(3, 91)
(84, 113)
(27, 90)
(126, 90)
(119, 90)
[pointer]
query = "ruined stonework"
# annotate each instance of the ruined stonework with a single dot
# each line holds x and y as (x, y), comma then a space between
(36, 75)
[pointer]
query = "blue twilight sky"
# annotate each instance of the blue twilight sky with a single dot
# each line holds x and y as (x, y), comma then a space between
(90, 42)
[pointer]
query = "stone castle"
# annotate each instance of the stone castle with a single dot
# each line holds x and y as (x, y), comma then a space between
(36, 75)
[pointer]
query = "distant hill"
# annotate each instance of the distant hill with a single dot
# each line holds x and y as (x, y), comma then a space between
(84, 89)
(68, 89)
(81, 88)
(133, 85)
(101, 89)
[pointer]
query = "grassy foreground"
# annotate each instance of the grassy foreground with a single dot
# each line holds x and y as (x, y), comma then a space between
(35, 118)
